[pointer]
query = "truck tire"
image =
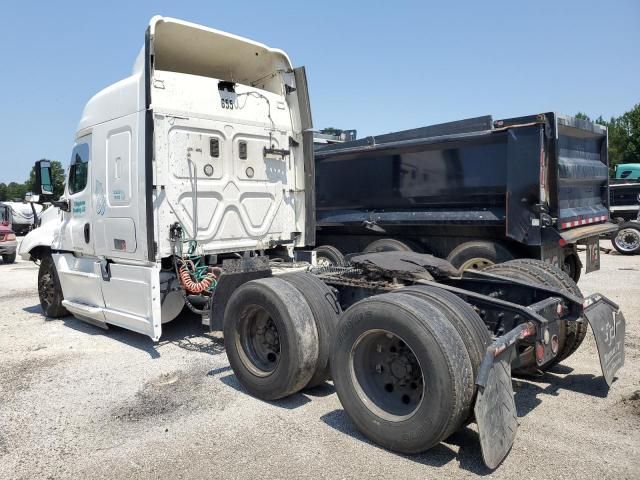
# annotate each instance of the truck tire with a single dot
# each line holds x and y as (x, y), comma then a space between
(392, 245)
(463, 317)
(326, 313)
(328, 256)
(571, 334)
(49, 289)
(572, 266)
(271, 338)
(478, 255)
(402, 372)
(575, 331)
(627, 239)
(9, 257)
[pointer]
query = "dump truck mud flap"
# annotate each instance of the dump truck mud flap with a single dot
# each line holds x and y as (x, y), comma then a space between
(495, 412)
(608, 326)
(495, 408)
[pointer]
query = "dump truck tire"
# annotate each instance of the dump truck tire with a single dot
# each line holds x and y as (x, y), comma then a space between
(390, 350)
(49, 289)
(271, 338)
(326, 313)
(391, 245)
(627, 239)
(575, 331)
(538, 272)
(478, 255)
(327, 256)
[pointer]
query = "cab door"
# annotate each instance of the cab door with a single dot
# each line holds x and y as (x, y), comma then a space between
(76, 230)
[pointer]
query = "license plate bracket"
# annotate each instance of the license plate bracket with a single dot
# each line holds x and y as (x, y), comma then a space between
(593, 254)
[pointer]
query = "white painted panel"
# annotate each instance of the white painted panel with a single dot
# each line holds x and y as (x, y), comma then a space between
(80, 279)
(118, 179)
(120, 234)
(132, 299)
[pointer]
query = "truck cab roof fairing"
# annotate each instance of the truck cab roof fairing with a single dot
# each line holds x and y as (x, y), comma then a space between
(185, 47)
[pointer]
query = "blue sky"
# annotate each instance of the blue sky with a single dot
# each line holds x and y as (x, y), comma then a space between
(373, 66)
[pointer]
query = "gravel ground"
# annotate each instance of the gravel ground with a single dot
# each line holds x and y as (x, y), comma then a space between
(77, 401)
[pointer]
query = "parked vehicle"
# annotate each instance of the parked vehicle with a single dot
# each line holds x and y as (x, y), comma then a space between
(625, 210)
(8, 243)
(628, 171)
(24, 216)
(191, 183)
(477, 191)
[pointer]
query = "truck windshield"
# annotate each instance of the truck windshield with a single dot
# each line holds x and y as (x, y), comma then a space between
(79, 168)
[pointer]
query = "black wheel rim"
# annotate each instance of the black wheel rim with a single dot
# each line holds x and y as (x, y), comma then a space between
(258, 341)
(46, 289)
(387, 375)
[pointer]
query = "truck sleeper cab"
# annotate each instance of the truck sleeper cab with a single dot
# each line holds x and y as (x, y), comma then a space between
(191, 183)
(207, 133)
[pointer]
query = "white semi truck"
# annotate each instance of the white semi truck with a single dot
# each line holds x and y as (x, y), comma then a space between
(191, 183)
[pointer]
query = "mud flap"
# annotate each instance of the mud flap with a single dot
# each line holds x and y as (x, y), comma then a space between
(608, 326)
(495, 409)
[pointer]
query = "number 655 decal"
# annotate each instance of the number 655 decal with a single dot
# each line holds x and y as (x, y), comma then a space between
(226, 103)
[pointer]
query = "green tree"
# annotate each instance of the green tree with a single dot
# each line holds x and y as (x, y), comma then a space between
(57, 177)
(3, 191)
(16, 191)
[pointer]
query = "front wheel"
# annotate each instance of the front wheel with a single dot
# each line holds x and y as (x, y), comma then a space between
(49, 289)
(627, 240)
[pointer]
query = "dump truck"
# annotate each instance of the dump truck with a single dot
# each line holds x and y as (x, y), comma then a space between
(191, 184)
(476, 192)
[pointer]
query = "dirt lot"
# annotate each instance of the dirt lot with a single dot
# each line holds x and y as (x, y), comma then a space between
(77, 401)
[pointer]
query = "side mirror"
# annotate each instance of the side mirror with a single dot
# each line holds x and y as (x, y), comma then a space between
(43, 177)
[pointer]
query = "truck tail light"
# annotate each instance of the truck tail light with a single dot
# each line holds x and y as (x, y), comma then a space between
(1, 237)
(10, 236)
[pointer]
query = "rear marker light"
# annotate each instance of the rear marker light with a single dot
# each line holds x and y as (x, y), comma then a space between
(554, 344)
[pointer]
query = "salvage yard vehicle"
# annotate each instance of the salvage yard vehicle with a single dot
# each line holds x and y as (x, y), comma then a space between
(625, 209)
(8, 243)
(24, 216)
(475, 191)
(192, 183)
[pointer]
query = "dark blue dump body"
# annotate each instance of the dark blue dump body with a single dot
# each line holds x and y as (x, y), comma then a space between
(525, 180)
